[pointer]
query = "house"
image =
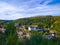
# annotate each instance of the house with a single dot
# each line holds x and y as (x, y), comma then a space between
(53, 33)
(41, 30)
(21, 27)
(22, 34)
(33, 28)
(49, 36)
(27, 35)
(2, 29)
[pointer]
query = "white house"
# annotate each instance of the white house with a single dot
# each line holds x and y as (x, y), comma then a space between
(33, 28)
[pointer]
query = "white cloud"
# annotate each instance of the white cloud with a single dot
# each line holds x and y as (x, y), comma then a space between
(11, 12)
(7, 7)
(42, 9)
(47, 1)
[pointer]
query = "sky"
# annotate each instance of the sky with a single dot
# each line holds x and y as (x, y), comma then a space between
(15, 9)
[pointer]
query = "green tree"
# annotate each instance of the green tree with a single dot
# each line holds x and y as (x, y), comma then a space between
(11, 35)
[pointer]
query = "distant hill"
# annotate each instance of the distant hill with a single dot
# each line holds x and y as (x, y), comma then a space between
(32, 20)
(51, 22)
(5, 21)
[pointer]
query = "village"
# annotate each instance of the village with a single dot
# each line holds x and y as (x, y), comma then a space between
(24, 31)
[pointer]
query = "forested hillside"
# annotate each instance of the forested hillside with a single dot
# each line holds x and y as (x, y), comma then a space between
(51, 22)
